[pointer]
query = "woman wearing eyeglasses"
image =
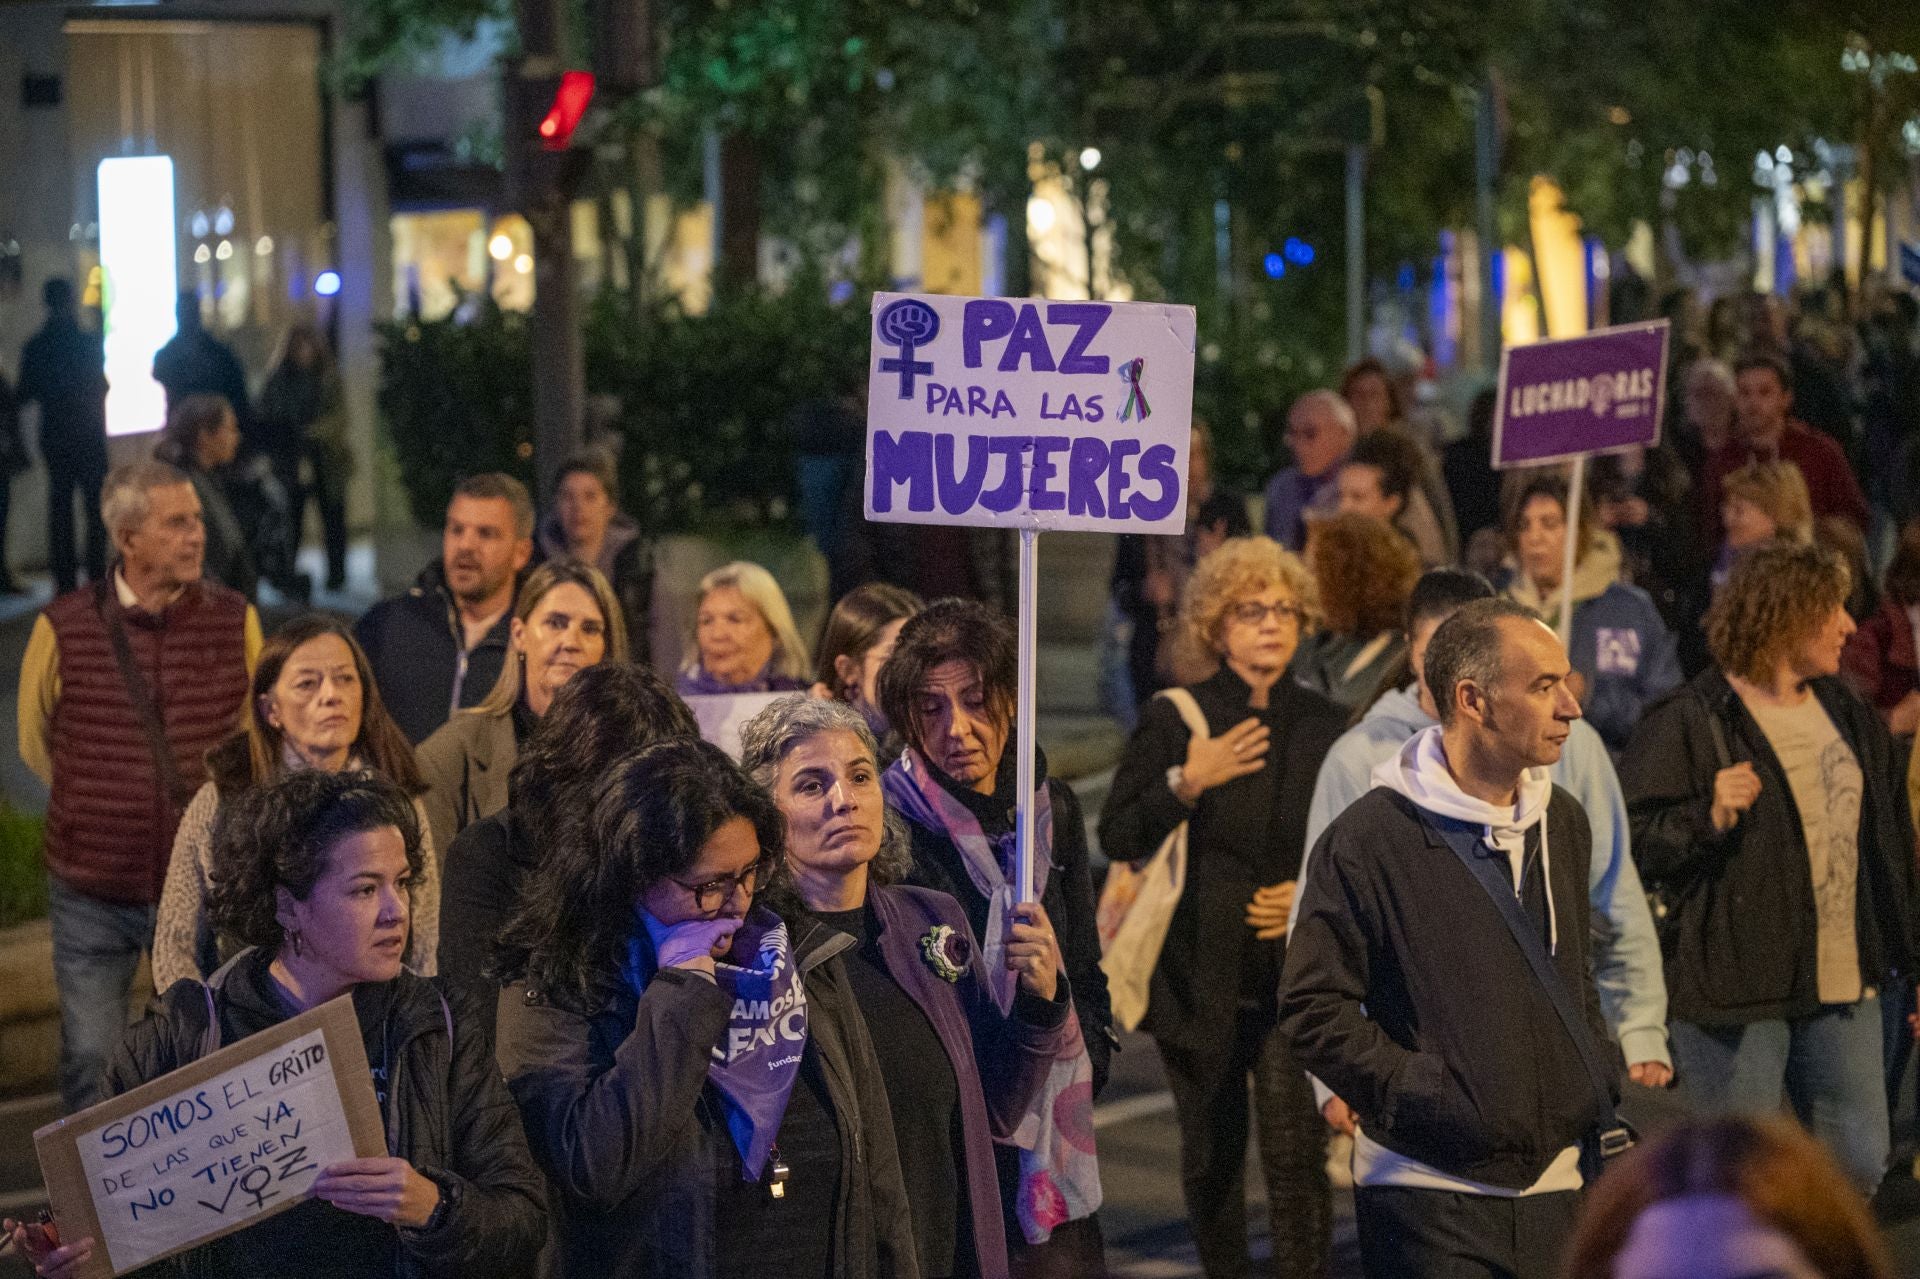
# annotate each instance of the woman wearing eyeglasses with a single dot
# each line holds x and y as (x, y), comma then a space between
(1244, 790)
(699, 1087)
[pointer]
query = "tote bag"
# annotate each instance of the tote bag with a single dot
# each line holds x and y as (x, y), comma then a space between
(1138, 901)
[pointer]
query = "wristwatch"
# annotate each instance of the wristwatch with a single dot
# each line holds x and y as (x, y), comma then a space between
(449, 1192)
(1176, 780)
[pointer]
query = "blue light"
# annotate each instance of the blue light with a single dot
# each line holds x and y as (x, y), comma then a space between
(1275, 264)
(327, 283)
(1406, 276)
(1299, 251)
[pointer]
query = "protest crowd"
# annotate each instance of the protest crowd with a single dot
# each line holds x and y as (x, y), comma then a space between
(1465, 880)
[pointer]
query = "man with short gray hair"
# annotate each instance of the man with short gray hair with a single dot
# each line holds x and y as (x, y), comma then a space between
(126, 683)
(1437, 977)
(1321, 430)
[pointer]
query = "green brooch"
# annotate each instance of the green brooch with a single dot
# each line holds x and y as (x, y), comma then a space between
(947, 952)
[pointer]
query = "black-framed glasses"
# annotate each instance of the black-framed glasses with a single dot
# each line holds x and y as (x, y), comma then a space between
(1253, 612)
(718, 891)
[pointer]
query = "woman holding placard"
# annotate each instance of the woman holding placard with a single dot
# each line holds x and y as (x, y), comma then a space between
(315, 873)
(744, 640)
(1242, 788)
(949, 690)
(698, 1084)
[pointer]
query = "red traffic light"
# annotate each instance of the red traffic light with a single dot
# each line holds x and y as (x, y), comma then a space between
(570, 103)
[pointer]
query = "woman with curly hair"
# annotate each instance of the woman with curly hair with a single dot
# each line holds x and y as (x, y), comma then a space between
(1234, 758)
(1620, 648)
(963, 1047)
(1365, 570)
(1727, 1198)
(696, 1079)
(315, 874)
(1768, 812)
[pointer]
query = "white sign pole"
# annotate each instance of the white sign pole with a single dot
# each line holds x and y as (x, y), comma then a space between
(1024, 714)
(1576, 489)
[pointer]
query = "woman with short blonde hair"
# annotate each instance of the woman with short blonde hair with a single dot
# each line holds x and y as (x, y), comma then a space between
(1234, 757)
(744, 639)
(1777, 494)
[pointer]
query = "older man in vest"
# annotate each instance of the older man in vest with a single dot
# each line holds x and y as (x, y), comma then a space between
(125, 684)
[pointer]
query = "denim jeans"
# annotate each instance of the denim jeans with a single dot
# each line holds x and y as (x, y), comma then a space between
(96, 950)
(1830, 1066)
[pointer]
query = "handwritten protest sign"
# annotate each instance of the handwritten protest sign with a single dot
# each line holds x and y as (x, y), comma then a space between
(215, 1146)
(1029, 413)
(1579, 396)
(721, 716)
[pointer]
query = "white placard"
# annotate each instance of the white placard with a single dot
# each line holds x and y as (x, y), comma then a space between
(216, 1146)
(1023, 412)
(721, 715)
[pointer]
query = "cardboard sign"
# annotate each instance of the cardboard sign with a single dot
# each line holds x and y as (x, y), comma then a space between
(1593, 394)
(1021, 412)
(721, 715)
(216, 1146)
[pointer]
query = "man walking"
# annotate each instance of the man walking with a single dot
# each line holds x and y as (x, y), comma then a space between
(63, 370)
(125, 685)
(1437, 978)
(440, 647)
(1626, 953)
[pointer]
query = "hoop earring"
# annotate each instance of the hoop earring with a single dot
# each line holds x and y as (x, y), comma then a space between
(293, 938)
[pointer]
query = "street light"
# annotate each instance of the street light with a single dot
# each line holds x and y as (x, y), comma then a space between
(1090, 158)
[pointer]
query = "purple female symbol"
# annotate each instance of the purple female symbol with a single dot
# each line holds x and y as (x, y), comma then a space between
(907, 324)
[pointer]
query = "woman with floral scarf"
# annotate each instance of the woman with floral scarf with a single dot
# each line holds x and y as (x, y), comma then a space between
(949, 691)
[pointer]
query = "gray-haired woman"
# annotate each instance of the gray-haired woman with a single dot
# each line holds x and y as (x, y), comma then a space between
(958, 1071)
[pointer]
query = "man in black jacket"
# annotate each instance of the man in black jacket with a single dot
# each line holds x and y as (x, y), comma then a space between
(1437, 978)
(63, 370)
(440, 647)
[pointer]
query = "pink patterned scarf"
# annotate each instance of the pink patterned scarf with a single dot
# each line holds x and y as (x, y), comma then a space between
(1059, 1173)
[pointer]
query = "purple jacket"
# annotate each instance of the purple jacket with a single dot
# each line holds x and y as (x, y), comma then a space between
(999, 1062)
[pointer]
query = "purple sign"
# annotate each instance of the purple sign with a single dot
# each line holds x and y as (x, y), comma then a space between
(1592, 394)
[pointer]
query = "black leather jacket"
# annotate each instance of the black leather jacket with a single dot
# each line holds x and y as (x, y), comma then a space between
(447, 1114)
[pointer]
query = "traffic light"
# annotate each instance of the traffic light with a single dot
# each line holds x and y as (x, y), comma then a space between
(571, 97)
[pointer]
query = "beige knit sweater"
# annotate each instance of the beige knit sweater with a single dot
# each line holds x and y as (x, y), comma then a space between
(183, 901)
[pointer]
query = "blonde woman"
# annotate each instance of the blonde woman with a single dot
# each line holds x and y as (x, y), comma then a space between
(1244, 790)
(744, 639)
(1761, 502)
(565, 620)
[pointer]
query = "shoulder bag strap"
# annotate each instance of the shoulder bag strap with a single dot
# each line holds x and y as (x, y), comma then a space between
(140, 693)
(1189, 710)
(1487, 873)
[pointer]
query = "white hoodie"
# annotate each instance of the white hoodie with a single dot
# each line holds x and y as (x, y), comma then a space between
(1420, 773)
